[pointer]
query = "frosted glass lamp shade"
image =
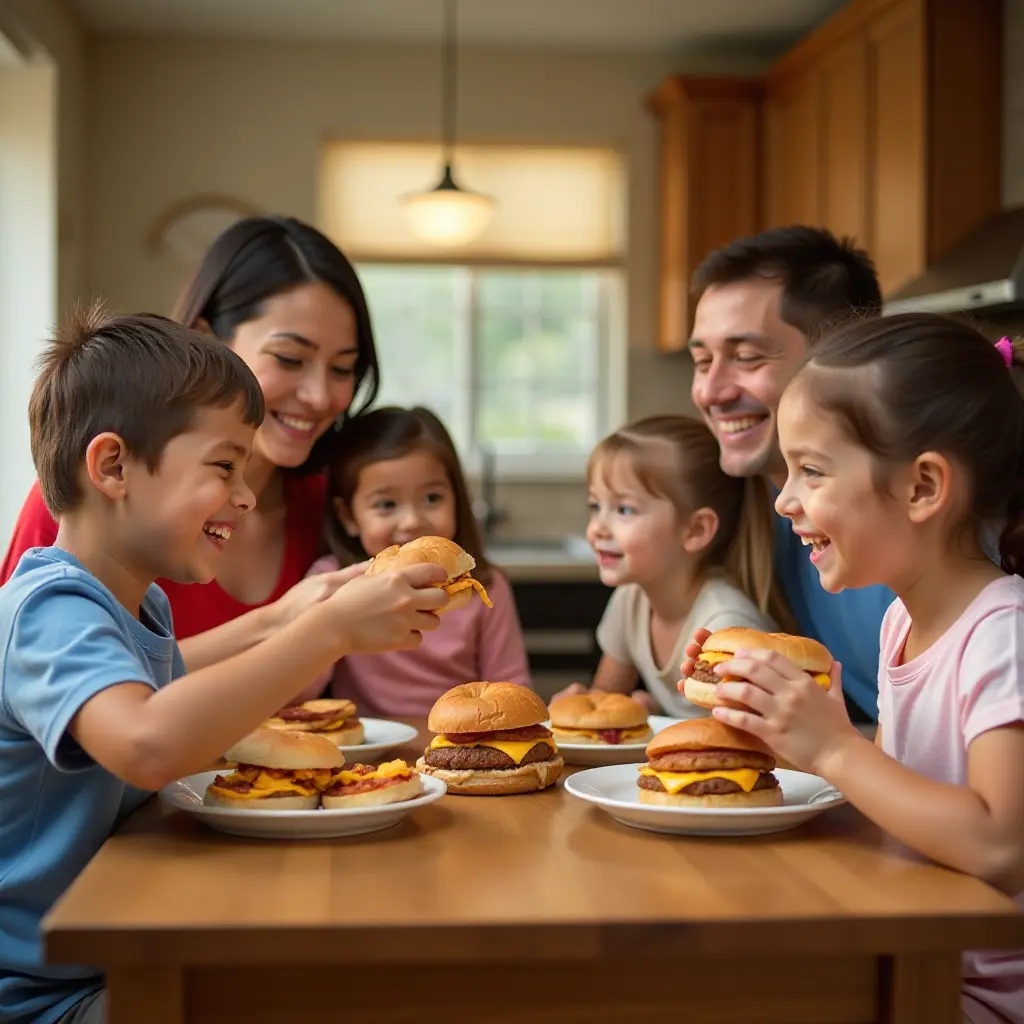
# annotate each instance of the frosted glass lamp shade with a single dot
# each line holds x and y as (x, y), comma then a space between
(448, 216)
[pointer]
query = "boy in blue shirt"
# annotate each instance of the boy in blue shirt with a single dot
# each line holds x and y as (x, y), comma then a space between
(140, 432)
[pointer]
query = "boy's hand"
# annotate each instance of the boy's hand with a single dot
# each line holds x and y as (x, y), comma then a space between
(313, 590)
(389, 612)
(791, 713)
(692, 652)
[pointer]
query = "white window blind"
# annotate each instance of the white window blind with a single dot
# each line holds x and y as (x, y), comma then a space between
(554, 205)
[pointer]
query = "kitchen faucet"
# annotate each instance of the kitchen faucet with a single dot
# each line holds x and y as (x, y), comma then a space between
(484, 508)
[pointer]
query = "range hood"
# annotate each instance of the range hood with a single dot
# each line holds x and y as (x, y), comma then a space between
(983, 271)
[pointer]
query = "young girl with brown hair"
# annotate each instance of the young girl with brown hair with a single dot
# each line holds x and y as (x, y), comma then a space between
(904, 444)
(395, 476)
(684, 545)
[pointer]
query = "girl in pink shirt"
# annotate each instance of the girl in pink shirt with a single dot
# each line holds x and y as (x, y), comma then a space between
(904, 443)
(395, 476)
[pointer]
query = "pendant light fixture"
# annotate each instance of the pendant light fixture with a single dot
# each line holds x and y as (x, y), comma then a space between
(448, 215)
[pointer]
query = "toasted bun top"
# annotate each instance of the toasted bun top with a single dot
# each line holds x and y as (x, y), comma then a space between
(596, 710)
(703, 734)
(486, 707)
(429, 550)
(283, 748)
(801, 650)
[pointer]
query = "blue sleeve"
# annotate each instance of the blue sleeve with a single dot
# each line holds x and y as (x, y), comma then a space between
(66, 645)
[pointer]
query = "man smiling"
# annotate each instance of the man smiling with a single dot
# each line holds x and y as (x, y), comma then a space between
(762, 301)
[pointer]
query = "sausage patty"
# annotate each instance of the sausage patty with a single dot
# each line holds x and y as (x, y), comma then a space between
(708, 760)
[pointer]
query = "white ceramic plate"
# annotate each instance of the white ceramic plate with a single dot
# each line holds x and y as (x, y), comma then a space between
(187, 795)
(614, 790)
(608, 753)
(381, 736)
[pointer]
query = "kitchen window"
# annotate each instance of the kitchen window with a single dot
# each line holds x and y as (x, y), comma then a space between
(517, 362)
(517, 339)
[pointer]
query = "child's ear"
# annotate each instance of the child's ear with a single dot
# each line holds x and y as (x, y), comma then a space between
(699, 530)
(929, 486)
(105, 460)
(202, 325)
(348, 524)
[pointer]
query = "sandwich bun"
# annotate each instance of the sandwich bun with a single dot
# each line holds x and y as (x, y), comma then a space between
(755, 798)
(324, 711)
(270, 803)
(280, 748)
(703, 734)
(527, 778)
(582, 717)
(392, 794)
(718, 750)
(807, 654)
(456, 562)
(486, 707)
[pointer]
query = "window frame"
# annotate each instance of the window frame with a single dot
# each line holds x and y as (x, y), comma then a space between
(611, 372)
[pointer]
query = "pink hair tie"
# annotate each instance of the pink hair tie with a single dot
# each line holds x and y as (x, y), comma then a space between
(1005, 348)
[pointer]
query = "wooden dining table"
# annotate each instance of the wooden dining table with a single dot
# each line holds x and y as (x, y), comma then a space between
(533, 908)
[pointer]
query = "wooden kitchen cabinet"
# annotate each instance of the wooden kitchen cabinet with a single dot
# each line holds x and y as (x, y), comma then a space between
(885, 125)
(709, 183)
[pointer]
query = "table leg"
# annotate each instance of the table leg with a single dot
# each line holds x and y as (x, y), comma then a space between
(919, 987)
(145, 995)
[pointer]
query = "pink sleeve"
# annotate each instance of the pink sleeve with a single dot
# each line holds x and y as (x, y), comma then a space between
(501, 650)
(326, 564)
(316, 688)
(991, 673)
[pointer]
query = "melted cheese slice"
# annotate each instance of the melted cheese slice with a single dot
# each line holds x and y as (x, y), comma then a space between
(822, 680)
(714, 657)
(454, 588)
(388, 770)
(263, 786)
(516, 749)
(674, 782)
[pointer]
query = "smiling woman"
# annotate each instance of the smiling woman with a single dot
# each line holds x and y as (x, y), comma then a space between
(289, 303)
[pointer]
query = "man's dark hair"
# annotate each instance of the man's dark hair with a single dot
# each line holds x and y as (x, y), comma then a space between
(824, 279)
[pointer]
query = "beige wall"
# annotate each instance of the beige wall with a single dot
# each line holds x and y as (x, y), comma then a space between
(51, 26)
(174, 118)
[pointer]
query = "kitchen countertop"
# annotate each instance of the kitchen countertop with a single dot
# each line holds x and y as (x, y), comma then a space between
(533, 908)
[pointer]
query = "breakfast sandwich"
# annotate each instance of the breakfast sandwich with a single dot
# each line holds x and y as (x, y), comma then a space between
(334, 719)
(599, 717)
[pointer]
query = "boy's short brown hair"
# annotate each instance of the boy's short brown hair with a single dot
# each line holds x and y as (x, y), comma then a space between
(142, 377)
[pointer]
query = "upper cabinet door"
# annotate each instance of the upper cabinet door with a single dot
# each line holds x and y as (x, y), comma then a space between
(845, 149)
(793, 164)
(899, 223)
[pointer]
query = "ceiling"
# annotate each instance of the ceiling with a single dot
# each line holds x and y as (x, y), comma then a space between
(664, 26)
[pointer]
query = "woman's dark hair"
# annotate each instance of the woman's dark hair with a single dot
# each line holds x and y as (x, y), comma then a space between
(392, 433)
(677, 457)
(929, 383)
(260, 257)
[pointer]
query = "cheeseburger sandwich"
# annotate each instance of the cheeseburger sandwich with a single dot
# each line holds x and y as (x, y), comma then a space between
(702, 685)
(435, 551)
(334, 719)
(276, 771)
(598, 717)
(490, 741)
(704, 763)
(367, 785)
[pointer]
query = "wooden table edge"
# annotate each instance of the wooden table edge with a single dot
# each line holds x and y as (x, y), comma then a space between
(522, 942)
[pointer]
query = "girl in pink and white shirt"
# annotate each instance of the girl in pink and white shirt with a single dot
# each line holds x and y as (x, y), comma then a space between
(904, 443)
(395, 476)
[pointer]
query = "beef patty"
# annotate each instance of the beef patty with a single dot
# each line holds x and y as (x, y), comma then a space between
(708, 760)
(704, 673)
(475, 759)
(708, 787)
